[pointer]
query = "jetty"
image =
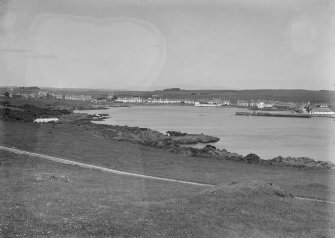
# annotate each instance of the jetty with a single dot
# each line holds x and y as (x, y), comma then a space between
(268, 114)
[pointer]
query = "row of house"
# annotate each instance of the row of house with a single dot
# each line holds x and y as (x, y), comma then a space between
(35, 92)
(321, 111)
(78, 97)
(240, 103)
(317, 109)
(266, 104)
(129, 100)
(152, 100)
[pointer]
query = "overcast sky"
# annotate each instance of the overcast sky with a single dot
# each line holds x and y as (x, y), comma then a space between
(154, 44)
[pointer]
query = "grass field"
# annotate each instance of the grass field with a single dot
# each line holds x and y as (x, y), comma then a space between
(93, 203)
(50, 103)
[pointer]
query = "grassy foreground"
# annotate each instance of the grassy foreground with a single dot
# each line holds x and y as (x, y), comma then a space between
(248, 201)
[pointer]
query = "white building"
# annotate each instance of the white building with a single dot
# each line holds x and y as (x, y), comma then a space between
(242, 103)
(110, 97)
(79, 97)
(322, 111)
(261, 105)
(226, 102)
(46, 120)
(269, 105)
(129, 100)
(188, 101)
(323, 105)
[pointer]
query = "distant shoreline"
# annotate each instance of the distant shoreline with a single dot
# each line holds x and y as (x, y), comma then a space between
(206, 150)
(145, 136)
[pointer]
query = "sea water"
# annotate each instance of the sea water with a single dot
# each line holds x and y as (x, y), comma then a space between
(267, 137)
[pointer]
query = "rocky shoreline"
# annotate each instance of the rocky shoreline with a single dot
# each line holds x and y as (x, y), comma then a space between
(176, 142)
(173, 141)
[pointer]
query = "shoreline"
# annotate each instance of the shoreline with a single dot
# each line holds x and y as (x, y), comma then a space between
(178, 145)
(174, 142)
(203, 150)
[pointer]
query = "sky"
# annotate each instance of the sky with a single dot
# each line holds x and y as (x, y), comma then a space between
(156, 44)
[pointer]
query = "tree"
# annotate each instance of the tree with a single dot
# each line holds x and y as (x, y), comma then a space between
(6, 94)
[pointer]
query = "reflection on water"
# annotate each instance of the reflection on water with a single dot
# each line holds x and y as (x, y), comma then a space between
(266, 136)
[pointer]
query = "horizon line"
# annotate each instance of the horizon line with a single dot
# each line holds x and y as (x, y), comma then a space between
(181, 89)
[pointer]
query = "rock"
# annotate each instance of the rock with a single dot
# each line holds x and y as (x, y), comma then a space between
(49, 177)
(252, 159)
(175, 133)
(302, 162)
(193, 139)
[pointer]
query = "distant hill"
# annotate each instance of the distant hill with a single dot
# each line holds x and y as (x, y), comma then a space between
(171, 89)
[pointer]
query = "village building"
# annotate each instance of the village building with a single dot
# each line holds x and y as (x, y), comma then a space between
(29, 92)
(283, 105)
(110, 97)
(188, 101)
(58, 96)
(321, 111)
(79, 97)
(162, 101)
(225, 102)
(129, 100)
(261, 105)
(269, 105)
(101, 100)
(242, 103)
(254, 103)
(323, 105)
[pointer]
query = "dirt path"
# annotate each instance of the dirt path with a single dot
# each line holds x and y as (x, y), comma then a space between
(89, 166)
(315, 200)
(118, 172)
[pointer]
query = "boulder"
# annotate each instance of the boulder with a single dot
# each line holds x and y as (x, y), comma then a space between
(50, 177)
(252, 158)
(302, 162)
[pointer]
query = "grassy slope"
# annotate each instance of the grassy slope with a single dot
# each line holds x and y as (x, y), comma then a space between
(99, 204)
(96, 203)
(71, 142)
(47, 103)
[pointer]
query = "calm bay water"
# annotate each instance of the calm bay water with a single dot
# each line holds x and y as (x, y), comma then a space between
(266, 136)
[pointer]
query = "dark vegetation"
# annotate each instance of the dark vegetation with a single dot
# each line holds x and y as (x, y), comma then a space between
(28, 113)
(55, 104)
